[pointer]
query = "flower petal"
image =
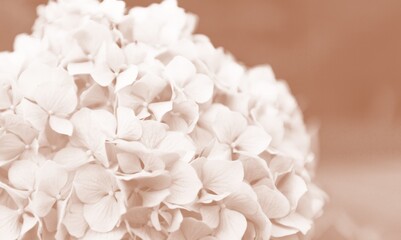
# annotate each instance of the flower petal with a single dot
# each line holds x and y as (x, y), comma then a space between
(57, 96)
(42, 203)
(200, 88)
(10, 147)
(273, 202)
(92, 182)
(178, 142)
(22, 174)
(185, 183)
(33, 113)
(126, 78)
(297, 221)
(180, 70)
(61, 125)
(102, 74)
(232, 225)
(52, 178)
(9, 225)
(80, 68)
(71, 158)
(222, 176)
(210, 215)
(228, 125)
(103, 215)
(129, 126)
(115, 234)
(253, 140)
(74, 221)
(153, 198)
(293, 187)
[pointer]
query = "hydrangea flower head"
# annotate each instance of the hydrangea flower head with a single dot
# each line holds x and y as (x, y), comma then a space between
(119, 124)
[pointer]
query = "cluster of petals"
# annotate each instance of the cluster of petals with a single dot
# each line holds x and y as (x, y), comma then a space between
(124, 124)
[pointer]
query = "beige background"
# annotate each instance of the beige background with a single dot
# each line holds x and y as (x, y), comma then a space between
(342, 60)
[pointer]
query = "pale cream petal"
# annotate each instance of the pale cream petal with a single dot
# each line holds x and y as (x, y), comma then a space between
(128, 125)
(102, 74)
(22, 174)
(80, 68)
(180, 70)
(232, 225)
(210, 215)
(115, 56)
(222, 176)
(126, 78)
(33, 113)
(10, 147)
(92, 183)
(61, 125)
(228, 125)
(297, 221)
(177, 142)
(253, 140)
(42, 203)
(273, 202)
(103, 215)
(293, 187)
(74, 220)
(116, 234)
(200, 88)
(154, 198)
(52, 178)
(71, 158)
(9, 225)
(185, 184)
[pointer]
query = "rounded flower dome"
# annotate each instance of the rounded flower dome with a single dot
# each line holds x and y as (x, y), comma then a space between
(124, 124)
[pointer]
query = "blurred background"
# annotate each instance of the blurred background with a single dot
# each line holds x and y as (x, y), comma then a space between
(342, 60)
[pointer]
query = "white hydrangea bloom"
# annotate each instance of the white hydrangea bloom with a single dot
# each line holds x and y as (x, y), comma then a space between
(120, 124)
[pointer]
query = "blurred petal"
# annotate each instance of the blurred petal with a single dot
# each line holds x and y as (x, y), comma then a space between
(80, 68)
(116, 234)
(115, 56)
